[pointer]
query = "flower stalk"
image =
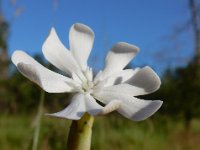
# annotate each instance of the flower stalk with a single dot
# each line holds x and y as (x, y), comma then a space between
(81, 133)
(38, 121)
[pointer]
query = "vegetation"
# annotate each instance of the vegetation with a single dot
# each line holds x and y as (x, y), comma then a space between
(170, 128)
(109, 132)
(180, 91)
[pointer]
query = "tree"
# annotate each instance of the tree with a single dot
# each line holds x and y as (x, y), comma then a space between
(4, 30)
(195, 21)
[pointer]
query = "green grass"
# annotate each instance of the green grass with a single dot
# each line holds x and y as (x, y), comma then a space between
(109, 132)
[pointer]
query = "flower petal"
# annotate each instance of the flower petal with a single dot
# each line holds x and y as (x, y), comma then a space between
(138, 109)
(115, 92)
(75, 110)
(145, 79)
(81, 39)
(130, 107)
(131, 82)
(57, 54)
(48, 80)
(119, 56)
(111, 106)
(126, 89)
(94, 108)
(117, 78)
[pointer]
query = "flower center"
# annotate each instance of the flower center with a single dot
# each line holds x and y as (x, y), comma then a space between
(87, 86)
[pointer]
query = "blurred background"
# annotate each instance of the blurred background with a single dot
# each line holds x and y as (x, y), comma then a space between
(168, 34)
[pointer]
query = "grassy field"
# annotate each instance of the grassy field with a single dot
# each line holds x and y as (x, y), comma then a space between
(109, 132)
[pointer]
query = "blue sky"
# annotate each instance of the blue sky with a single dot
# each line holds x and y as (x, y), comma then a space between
(149, 24)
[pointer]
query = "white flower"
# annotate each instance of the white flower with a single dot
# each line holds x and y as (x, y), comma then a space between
(113, 86)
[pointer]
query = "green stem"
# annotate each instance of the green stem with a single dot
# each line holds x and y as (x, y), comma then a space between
(38, 121)
(80, 133)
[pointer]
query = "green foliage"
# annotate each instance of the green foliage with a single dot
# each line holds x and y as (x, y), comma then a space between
(18, 94)
(4, 30)
(109, 132)
(180, 91)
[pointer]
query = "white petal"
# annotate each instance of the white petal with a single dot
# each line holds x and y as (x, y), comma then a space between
(106, 94)
(57, 54)
(131, 82)
(131, 107)
(138, 109)
(74, 110)
(76, 78)
(145, 79)
(119, 56)
(92, 106)
(126, 89)
(81, 39)
(48, 80)
(111, 106)
(117, 78)
(98, 77)
(89, 74)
